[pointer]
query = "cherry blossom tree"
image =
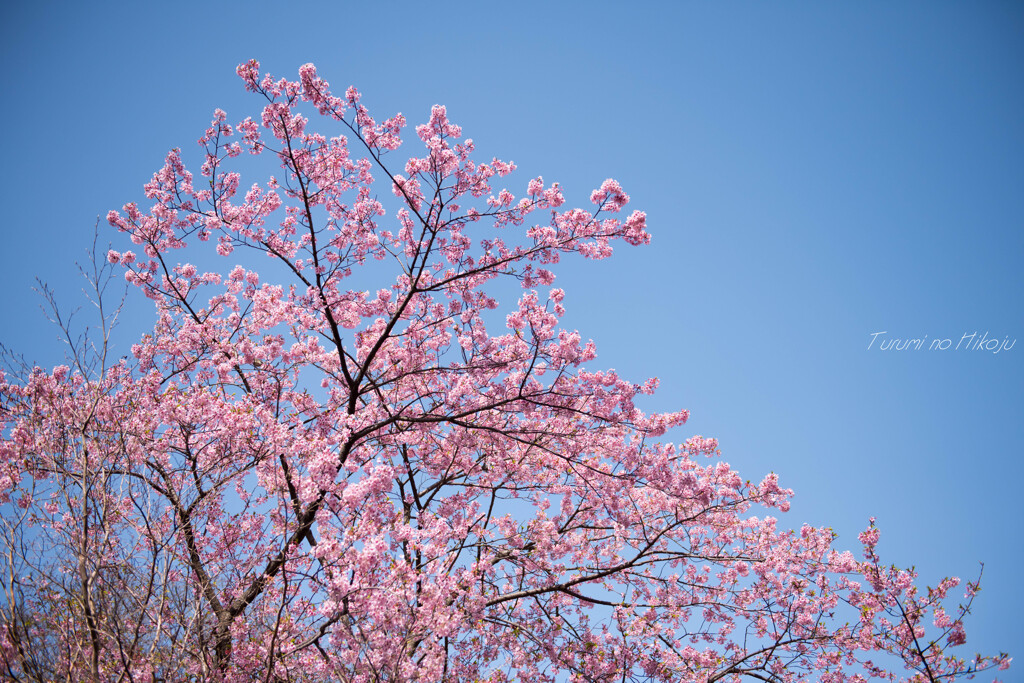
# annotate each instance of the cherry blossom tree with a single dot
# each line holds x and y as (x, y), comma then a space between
(352, 467)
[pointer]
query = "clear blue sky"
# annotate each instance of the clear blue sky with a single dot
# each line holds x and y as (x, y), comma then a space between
(812, 174)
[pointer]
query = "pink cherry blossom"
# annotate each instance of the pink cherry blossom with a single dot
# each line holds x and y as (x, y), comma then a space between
(344, 461)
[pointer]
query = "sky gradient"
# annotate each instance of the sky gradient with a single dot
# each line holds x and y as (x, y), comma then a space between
(812, 175)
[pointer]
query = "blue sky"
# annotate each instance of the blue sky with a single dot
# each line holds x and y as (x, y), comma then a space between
(812, 174)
